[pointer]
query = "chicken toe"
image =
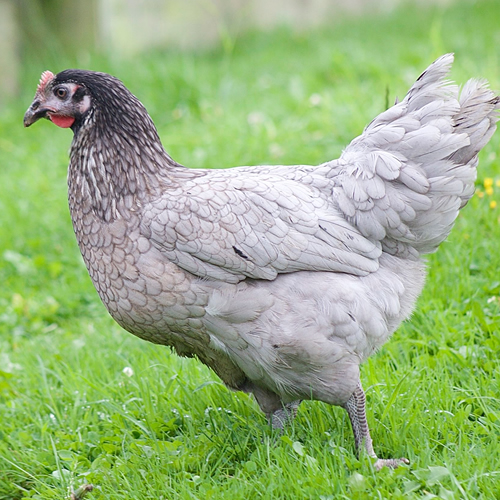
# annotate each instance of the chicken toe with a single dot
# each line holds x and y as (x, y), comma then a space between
(392, 463)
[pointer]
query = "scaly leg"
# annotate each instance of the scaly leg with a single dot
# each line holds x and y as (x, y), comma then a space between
(277, 413)
(284, 415)
(355, 407)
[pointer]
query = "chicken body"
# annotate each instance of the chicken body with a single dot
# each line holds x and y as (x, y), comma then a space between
(282, 279)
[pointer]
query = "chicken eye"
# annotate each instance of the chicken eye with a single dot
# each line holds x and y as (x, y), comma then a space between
(61, 92)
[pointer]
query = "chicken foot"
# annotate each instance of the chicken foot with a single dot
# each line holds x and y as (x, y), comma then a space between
(356, 409)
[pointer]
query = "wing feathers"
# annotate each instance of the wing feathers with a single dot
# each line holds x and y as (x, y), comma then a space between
(276, 225)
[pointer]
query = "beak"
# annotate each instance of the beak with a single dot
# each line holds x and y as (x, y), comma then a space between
(35, 112)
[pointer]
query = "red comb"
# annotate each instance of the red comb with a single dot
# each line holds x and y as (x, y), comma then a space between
(44, 79)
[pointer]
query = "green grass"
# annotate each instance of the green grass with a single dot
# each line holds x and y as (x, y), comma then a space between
(83, 401)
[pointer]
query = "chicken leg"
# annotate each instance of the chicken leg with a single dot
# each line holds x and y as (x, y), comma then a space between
(356, 409)
(284, 415)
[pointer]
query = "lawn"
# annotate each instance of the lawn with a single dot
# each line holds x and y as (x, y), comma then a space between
(82, 401)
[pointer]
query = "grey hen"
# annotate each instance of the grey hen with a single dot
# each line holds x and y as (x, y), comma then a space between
(282, 279)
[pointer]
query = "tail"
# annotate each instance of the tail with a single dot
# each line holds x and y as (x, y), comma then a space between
(403, 181)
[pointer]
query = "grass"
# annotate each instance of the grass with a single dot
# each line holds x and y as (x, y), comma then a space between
(82, 401)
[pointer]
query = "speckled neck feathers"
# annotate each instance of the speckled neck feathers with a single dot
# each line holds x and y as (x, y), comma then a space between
(117, 157)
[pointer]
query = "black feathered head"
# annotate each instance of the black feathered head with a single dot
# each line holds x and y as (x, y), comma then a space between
(75, 98)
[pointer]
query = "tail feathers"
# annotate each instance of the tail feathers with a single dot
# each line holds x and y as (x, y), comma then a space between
(405, 178)
(477, 118)
(432, 79)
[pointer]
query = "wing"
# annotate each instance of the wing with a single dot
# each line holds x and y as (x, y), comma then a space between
(232, 224)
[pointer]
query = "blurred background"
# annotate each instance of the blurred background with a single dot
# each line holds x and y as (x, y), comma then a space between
(235, 82)
(47, 29)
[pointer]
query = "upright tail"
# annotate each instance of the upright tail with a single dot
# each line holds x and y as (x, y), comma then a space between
(403, 181)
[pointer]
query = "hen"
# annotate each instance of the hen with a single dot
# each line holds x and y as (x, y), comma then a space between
(282, 279)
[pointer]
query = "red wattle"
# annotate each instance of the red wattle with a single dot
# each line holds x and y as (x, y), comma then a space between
(62, 121)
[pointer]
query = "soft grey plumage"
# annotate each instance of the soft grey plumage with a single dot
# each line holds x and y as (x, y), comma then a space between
(282, 279)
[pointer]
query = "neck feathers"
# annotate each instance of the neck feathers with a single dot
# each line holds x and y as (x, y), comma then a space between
(117, 159)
